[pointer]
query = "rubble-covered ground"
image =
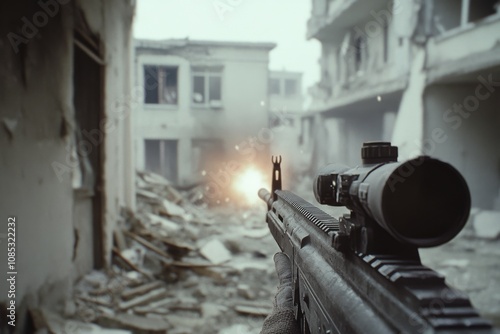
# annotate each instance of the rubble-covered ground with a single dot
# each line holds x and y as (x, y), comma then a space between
(178, 267)
(181, 267)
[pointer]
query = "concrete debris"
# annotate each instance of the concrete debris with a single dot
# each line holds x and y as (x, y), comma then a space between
(211, 310)
(487, 224)
(171, 209)
(49, 322)
(136, 324)
(142, 289)
(182, 267)
(215, 252)
(459, 263)
(245, 291)
(144, 299)
(240, 328)
(168, 225)
(134, 255)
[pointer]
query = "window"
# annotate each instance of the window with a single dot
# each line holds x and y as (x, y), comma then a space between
(274, 87)
(161, 158)
(160, 84)
(359, 53)
(207, 87)
(290, 87)
(480, 9)
(386, 43)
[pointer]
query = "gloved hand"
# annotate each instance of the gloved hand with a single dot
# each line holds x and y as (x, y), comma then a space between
(282, 318)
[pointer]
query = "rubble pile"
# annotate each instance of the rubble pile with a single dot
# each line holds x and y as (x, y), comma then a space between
(180, 267)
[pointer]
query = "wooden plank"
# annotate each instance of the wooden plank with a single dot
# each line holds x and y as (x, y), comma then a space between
(140, 290)
(144, 299)
(147, 244)
(130, 264)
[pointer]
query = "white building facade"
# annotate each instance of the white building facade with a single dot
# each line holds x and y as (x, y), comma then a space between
(204, 104)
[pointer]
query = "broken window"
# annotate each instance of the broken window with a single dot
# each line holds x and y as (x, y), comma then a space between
(160, 84)
(449, 14)
(479, 9)
(274, 87)
(207, 87)
(359, 52)
(161, 157)
(290, 87)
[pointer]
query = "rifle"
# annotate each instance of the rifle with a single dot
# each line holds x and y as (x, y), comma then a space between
(362, 273)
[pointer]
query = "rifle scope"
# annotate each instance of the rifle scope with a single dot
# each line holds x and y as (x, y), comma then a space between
(422, 202)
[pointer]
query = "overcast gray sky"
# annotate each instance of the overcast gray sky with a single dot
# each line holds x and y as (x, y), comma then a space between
(279, 21)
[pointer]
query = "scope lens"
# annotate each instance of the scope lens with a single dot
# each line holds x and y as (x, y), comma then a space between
(426, 202)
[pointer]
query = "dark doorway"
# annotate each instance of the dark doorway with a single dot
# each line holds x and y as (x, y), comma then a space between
(89, 142)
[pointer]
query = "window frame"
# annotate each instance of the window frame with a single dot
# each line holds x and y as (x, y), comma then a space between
(158, 66)
(207, 73)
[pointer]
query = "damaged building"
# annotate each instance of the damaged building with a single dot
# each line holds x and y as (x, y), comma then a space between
(205, 104)
(63, 140)
(424, 74)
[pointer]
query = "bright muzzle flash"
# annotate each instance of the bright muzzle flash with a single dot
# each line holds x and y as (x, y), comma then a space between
(248, 184)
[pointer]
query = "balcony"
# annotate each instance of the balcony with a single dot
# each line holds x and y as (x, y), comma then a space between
(465, 49)
(330, 18)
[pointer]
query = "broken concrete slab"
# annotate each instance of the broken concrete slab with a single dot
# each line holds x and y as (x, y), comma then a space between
(134, 323)
(165, 223)
(171, 209)
(245, 291)
(487, 224)
(148, 195)
(215, 252)
(240, 328)
(154, 179)
(253, 310)
(55, 324)
(144, 299)
(185, 322)
(212, 310)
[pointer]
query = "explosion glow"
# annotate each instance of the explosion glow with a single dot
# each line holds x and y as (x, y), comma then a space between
(248, 184)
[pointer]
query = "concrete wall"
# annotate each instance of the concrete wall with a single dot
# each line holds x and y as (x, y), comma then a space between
(36, 97)
(463, 129)
(244, 97)
(281, 102)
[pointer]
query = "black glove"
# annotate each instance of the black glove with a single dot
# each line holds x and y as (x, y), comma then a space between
(282, 318)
